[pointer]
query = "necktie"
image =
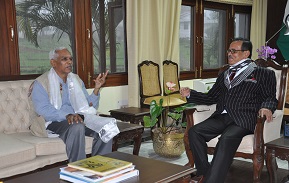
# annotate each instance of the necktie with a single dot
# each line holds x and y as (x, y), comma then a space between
(232, 75)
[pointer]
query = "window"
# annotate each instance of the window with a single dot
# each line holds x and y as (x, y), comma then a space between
(242, 25)
(41, 27)
(93, 30)
(111, 35)
(214, 38)
(186, 49)
(211, 28)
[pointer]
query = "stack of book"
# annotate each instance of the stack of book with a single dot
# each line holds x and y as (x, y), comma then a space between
(98, 169)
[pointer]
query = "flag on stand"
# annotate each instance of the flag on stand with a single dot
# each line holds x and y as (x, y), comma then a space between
(283, 40)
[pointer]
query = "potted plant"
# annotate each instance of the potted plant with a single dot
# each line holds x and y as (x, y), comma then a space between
(166, 124)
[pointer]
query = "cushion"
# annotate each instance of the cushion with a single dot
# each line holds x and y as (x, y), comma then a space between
(14, 106)
(246, 145)
(43, 146)
(14, 151)
(48, 146)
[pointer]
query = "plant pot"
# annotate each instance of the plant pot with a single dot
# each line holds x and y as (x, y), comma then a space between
(169, 145)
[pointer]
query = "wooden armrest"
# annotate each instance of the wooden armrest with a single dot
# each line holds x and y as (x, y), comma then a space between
(258, 134)
(190, 111)
(189, 117)
(190, 122)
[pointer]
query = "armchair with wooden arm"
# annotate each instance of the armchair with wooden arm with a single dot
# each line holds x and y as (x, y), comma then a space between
(252, 146)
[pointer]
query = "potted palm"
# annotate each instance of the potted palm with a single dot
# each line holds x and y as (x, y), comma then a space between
(166, 123)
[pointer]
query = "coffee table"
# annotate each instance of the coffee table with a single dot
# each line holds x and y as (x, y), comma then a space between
(276, 148)
(150, 171)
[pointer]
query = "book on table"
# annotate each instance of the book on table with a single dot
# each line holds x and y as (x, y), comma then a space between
(100, 165)
(88, 176)
(106, 179)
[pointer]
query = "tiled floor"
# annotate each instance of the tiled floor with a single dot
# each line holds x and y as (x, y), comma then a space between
(146, 150)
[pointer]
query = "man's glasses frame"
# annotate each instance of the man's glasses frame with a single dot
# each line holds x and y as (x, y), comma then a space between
(233, 51)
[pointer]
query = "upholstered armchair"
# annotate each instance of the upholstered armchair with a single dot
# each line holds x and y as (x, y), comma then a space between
(252, 146)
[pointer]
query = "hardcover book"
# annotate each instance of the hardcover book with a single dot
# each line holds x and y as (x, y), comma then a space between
(113, 179)
(100, 165)
(88, 176)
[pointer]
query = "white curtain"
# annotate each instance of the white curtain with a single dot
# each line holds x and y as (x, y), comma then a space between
(152, 34)
(258, 25)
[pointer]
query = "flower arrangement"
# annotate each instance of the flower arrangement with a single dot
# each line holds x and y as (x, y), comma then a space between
(160, 113)
(266, 52)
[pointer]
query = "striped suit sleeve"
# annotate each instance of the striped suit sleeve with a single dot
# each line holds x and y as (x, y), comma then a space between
(268, 92)
(207, 98)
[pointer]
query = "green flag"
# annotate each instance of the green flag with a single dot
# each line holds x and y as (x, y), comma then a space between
(283, 40)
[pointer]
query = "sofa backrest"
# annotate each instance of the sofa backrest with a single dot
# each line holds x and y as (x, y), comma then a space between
(14, 106)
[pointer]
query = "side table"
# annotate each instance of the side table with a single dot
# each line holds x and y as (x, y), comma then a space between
(276, 148)
(131, 114)
(128, 132)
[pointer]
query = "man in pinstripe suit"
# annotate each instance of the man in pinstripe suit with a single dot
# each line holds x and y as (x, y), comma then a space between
(241, 93)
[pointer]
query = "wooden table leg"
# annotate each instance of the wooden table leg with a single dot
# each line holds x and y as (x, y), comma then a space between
(128, 132)
(271, 164)
(115, 143)
(137, 142)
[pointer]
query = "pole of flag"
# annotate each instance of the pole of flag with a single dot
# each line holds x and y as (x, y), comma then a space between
(283, 40)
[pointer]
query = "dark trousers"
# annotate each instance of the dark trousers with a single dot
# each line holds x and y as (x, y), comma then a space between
(231, 137)
(73, 135)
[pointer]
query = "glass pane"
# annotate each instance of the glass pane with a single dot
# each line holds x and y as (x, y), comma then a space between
(185, 39)
(108, 36)
(42, 26)
(242, 25)
(214, 38)
(119, 38)
(95, 16)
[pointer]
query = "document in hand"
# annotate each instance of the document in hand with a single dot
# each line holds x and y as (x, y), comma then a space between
(100, 165)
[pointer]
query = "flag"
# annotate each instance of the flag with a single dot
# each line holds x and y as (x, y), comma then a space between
(283, 41)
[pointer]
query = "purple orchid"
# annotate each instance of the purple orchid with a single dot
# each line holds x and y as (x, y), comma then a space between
(266, 52)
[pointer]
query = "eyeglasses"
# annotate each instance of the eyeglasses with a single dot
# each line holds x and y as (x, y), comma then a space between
(233, 51)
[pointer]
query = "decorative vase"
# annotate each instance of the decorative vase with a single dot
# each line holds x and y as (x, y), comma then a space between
(169, 145)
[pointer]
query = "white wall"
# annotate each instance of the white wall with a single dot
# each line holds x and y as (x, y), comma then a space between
(113, 97)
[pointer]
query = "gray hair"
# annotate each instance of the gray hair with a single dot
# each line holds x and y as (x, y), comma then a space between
(53, 53)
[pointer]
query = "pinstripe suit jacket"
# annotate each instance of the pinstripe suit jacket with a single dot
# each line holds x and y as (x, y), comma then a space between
(251, 90)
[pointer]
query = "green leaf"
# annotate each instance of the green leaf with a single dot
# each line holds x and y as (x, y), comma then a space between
(167, 91)
(175, 116)
(189, 105)
(147, 121)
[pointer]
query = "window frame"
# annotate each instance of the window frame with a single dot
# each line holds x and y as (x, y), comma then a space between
(82, 48)
(196, 35)
(9, 57)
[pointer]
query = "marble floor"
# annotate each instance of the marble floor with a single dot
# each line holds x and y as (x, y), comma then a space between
(146, 150)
